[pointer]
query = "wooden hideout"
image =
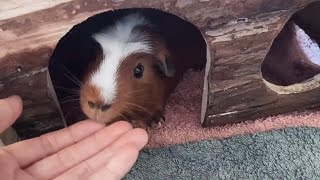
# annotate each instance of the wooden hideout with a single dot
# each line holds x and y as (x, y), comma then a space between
(250, 72)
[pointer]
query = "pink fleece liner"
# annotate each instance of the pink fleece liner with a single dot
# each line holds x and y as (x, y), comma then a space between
(183, 118)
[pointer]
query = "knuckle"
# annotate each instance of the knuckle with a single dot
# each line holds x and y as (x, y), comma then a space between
(66, 158)
(86, 169)
(48, 143)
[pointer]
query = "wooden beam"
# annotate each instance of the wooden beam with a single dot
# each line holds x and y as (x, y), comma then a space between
(13, 8)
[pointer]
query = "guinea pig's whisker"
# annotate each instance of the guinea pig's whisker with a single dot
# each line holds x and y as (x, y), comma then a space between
(135, 116)
(136, 105)
(137, 90)
(76, 92)
(73, 95)
(147, 102)
(139, 107)
(127, 110)
(72, 78)
(75, 107)
(69, 97)
(69, 100)
(123, 116)
(71, 74)
(132, 92)
(143, 101)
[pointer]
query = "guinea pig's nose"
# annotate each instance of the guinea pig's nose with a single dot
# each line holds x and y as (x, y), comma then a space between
(105, 107)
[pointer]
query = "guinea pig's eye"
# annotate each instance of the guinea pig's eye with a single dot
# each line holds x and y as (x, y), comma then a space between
(138, 71)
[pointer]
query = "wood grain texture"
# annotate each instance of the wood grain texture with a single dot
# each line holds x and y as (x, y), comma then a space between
(239, 34)
(236, 90)
(14, 8)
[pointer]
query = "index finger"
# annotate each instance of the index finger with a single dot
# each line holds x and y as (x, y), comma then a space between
(29, 151)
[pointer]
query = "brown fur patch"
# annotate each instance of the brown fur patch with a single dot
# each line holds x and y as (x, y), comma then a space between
(140, 98)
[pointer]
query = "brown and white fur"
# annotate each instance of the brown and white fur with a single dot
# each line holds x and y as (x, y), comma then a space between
(135, 69)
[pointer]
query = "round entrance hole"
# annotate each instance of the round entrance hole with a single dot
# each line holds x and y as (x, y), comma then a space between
(77, 51)
(292, 64)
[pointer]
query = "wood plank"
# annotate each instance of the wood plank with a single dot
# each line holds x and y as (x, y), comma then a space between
(34, 91)
(237, 89)
(40, 113)
(13, 8)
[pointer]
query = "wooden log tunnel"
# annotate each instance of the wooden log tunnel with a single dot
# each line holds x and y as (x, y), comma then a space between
(243, 79)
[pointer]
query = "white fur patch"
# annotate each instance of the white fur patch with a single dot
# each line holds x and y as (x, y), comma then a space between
(117, 43)
(310, 47)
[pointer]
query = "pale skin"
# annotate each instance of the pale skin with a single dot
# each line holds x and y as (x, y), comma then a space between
(86, 150)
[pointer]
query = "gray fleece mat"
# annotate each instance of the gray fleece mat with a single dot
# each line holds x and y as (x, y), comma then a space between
(292, 153)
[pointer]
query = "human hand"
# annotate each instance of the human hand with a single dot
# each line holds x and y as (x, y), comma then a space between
(86, 150)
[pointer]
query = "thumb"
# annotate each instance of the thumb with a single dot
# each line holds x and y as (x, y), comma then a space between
(10, 110)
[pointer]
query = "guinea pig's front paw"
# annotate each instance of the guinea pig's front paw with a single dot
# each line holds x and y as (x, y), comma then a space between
(157, 125)
(157, 121)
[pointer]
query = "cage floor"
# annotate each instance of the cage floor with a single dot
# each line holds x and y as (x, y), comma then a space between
(183, 118)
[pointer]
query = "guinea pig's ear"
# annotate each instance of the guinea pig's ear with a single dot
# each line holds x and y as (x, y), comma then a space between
(96, 51)
(166, 67)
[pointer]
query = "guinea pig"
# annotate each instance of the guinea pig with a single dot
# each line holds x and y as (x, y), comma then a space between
(139, 61)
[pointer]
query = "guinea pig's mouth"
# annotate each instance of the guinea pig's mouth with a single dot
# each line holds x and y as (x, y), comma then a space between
(101, 114)
(99, 117)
